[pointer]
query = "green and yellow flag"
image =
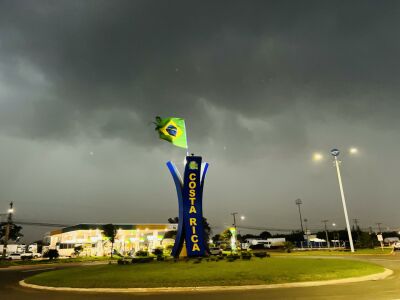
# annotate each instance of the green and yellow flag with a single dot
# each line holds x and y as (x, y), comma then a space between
(172, 130)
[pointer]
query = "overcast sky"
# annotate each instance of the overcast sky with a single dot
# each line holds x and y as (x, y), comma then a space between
(262, 85)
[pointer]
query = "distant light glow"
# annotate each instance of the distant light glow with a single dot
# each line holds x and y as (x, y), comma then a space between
(353, 150)
(317, 156)
(11, 210)
(333, 224)
(242, 217)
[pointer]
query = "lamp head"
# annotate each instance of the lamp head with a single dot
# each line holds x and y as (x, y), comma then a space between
(335, 152)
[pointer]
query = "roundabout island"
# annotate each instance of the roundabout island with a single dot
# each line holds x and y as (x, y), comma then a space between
(206, 274)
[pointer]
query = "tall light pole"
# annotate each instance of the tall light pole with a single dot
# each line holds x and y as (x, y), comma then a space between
(298, 203)
(234, 225)
(335, 153)
(326, 233)
(8, 225)
(234, 219)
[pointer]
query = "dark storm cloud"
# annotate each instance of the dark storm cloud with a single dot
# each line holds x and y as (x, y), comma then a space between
(123, 62)
(262, 85)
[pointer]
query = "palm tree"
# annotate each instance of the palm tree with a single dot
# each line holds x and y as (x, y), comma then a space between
(109, 231)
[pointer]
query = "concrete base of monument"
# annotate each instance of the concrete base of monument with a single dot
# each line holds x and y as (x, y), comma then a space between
(379, 276)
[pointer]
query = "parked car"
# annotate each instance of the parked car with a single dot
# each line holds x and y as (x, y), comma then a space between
(396, 246)
(14, 256)
(30, 255)
(215, 251)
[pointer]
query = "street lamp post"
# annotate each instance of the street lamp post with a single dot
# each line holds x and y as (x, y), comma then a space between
(235, 226)
(298, 203)
(8, 225)
(335, 153)
(335, 237)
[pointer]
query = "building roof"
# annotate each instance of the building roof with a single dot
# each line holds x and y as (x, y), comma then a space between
(94, 226)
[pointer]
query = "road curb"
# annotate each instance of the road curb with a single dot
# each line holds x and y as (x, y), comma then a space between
(373, 277)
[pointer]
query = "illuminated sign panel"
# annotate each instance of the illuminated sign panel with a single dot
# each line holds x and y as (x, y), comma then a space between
(190, 197)
(192, 208)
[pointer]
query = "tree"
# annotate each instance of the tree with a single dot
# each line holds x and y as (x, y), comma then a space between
(78, 250)
(364, 240)
(15, 231)
(171, 234)
(207, 232)
(109, 231)
(265, 235)
(173, 220)
(226, 236)
(216, 238)
(51, 254)
(249, 236)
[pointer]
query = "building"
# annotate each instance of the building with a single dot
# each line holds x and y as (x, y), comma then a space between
(129, 238)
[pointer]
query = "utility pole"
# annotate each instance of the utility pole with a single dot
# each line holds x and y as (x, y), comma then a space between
(379, 227)
(355, 223)
(356, 228)
(326, 233)
(8, 228)
(298, 203)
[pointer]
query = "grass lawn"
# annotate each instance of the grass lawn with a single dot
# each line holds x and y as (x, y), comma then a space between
(6, 263)
(376, 251)
(169, 274)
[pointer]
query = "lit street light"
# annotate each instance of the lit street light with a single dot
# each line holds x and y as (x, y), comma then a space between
(353, 150)
(317, 156)
(335, 153)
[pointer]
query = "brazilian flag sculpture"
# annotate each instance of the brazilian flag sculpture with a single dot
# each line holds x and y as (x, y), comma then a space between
(189, 190)
(172, 130)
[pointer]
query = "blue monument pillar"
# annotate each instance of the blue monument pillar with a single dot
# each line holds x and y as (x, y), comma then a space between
(190, 201)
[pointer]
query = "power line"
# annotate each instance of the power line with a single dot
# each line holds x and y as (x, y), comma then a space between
(267, 228)
(41, 224)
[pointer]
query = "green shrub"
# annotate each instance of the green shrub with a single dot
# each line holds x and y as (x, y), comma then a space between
(123, 261)
(158, 251)
(142, 253)
(232, 257)
(261, 254)
(143, 259)
(246, 255)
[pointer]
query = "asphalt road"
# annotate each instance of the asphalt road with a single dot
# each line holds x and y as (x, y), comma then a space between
(383, 289)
